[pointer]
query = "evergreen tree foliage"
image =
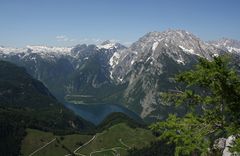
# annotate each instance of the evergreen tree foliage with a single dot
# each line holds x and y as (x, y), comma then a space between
(211, 91)
(156, 148)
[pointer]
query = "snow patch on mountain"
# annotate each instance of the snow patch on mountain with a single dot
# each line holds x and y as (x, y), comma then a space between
(191, 51)
(155, 44)
(132, 62)
(10, 50)
(232, 49)
(43, 51)
(114, 59)
(226, 44)
(107, 46)
(110, 45)
(181, 60)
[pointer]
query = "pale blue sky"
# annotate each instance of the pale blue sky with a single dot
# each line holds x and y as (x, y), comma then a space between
(69, 22)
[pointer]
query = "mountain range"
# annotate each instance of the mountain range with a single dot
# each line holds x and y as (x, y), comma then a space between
(132, 76)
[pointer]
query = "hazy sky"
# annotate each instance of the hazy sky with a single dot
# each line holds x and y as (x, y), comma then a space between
(68, 22)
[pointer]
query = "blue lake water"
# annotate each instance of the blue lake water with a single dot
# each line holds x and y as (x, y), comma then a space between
(96, 113)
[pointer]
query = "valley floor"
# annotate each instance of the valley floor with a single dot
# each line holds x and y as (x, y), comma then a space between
(114, 141)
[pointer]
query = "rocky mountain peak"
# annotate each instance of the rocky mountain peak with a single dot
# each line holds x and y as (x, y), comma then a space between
(111, 45)
(228, 42)
(174, 37)
(106, 42)
(176, 44)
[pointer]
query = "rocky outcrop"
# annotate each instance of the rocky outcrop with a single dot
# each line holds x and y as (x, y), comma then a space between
(223, 145)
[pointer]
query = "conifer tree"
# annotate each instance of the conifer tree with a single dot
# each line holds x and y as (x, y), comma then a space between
(211, 92)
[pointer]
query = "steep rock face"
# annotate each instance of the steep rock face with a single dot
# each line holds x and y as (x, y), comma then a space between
(148, 65)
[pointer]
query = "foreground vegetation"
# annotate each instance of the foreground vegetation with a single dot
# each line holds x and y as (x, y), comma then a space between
(211, 93)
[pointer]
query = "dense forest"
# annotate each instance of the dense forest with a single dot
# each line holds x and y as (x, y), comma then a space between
(157, 148)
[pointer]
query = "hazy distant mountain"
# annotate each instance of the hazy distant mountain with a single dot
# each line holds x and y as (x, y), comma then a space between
(230, 45)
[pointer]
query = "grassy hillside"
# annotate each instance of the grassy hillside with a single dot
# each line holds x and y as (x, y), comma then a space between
(116, 139)
(118, 117)
(60, 145)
